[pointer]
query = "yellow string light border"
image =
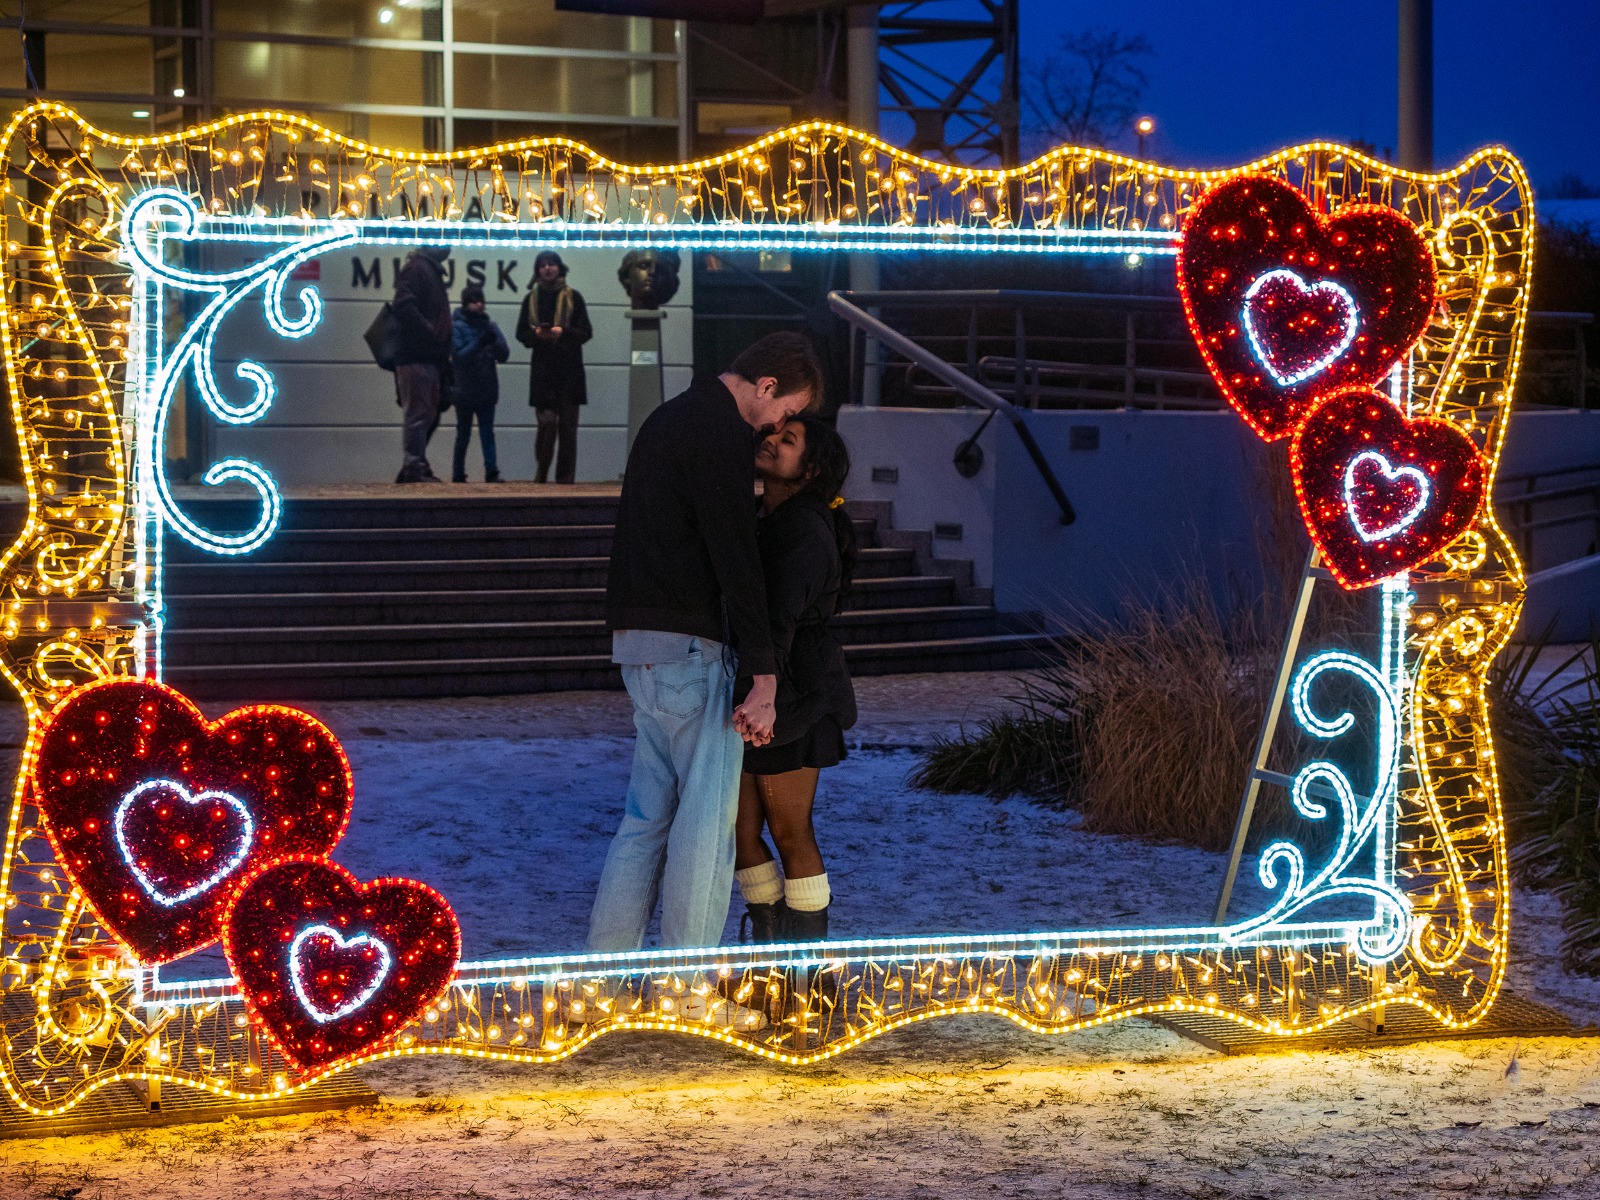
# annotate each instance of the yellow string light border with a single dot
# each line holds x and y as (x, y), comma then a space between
(1452, 833)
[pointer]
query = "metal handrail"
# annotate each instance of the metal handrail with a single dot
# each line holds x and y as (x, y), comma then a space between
(840, 303)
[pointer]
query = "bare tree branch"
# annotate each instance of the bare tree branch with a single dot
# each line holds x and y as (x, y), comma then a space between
(1087, 92)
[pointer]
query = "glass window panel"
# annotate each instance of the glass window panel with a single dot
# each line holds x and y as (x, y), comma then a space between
(76, 62)
(110, 12)
(333, 18)
(304, 76)
(537, 23)
(595, 87)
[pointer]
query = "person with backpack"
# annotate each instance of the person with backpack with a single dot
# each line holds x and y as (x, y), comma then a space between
(554, 325)
(476, 345)
(421, 309)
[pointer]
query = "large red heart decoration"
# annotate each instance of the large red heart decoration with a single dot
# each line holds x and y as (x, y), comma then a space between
(156, 813)
(1379, 492)
(332, 967)
(1287, 305)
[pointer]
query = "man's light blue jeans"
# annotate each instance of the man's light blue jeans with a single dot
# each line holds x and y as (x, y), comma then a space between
(676, 837)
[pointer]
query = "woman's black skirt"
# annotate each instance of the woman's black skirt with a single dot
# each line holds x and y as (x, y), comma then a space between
(820, 746)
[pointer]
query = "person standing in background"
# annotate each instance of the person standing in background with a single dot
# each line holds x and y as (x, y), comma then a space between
(476, 345)
(554, 325)
(421, 306)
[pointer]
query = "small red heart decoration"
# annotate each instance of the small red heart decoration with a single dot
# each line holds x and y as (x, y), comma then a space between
(331, 967)
(1288, 305)
(1382, 493)
(156, 813)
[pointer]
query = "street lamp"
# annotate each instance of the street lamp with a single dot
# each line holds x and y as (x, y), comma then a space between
(1144, 127)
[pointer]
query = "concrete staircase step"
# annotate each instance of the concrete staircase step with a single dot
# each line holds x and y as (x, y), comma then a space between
(435, 591)
(488, 676)
(246, 644)
(410, 510)
(230, 610)
(356, 545)
(247, 576)
(484, 574)
(398, 679)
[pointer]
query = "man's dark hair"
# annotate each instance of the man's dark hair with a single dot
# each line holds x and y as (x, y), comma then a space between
(472, 294)
(787, 357)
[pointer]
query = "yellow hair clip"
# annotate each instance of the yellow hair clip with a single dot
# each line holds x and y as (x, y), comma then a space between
(836, 502)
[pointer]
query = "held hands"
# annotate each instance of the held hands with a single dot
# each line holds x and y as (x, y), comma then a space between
(548, 333)
(754, 718)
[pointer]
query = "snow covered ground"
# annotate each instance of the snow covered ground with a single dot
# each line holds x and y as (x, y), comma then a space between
(507, 806)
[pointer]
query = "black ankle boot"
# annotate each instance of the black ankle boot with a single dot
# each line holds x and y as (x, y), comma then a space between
(801, 926)
(765, 922)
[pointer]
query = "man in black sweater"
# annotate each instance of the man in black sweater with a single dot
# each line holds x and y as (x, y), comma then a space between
(687, 607)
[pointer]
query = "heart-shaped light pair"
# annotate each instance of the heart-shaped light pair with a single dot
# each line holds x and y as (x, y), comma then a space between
(1380, 492)
(334, 968)
(155, 813)
(1288, 305)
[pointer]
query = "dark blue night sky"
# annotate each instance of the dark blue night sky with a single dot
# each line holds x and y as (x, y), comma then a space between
(1232, 80)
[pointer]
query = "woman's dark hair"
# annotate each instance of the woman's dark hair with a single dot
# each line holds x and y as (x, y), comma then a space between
(827, 455)
(472, 294)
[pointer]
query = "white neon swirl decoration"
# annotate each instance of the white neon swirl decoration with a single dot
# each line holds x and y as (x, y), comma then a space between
(177, 217)
(1393, 474)
(1348, 335)
(1364, 821)
(119, 822)
(297, 970)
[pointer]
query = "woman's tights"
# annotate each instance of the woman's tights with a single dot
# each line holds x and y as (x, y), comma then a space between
(782, 804)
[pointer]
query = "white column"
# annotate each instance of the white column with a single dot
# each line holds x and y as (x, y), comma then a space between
(861, 52)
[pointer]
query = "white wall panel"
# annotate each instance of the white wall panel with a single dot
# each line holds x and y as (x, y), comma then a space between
(334, 419)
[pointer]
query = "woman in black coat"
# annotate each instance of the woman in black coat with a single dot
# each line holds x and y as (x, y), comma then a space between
(554, 324)
(808, 551)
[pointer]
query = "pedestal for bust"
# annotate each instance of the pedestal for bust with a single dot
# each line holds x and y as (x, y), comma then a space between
(646, 384)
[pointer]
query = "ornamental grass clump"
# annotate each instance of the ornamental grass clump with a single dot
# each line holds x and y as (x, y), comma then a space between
(1146, 723)
(1546, 722)
(1146, 726)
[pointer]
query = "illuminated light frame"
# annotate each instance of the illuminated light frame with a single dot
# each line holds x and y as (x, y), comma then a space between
(90, 559)
(119, 820)
(1391, 473)
(1351, 322)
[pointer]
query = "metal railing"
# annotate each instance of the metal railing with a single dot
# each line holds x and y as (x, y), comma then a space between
(1526, 503)
(968, 453)
(1140, 364)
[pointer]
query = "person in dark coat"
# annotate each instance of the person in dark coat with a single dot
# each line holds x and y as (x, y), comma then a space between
(808, 553)
(422, 307)
(476, 345)
(554, 324)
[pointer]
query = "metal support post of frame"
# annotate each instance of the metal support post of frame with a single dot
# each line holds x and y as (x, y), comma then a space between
(1269, 725)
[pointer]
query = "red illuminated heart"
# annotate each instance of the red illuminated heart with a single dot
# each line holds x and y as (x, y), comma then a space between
(156, 813)
(1381, 493)
(334, 968)
(1288, 306)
